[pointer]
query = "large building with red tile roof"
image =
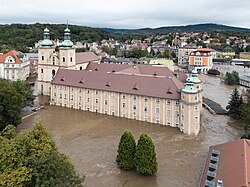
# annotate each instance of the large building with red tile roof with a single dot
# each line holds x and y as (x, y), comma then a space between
(228, 165)
(139, 92)
(14, 65)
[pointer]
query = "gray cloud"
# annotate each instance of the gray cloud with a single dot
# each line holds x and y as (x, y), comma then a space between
(126, 14)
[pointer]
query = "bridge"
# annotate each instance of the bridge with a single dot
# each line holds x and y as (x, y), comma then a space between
(213, 107)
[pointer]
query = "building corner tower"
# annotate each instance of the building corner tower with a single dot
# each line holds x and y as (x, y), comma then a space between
(190, 108)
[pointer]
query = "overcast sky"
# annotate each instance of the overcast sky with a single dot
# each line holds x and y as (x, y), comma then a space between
(127, 13)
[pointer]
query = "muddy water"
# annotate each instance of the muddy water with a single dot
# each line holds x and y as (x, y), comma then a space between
(90, 140)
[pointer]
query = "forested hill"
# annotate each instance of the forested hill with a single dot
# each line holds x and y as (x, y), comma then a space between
(207, 27)
(19, 36)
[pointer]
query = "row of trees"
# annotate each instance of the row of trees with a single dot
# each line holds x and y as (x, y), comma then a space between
(31, 159)
(239, 108)
(141, 157)
(13, 97)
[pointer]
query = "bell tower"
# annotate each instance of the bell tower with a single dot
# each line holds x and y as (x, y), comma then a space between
(67, 52)
(45, 64)
(190, 108)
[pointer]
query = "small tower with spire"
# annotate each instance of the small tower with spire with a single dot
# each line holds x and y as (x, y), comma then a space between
(197, 85)
(190, 108)
(45, 51)
(67, 51)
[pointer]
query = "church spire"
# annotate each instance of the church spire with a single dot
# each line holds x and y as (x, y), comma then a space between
(46, 39)
(67, 42)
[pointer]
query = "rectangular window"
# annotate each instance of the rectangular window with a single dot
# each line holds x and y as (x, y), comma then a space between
(134, 107)
(60, 96)
(146, 99)
(105, 111)
(145, 109)
(123, 96)
(196, 120)
(177, 103)
(87, 91)
(177, 113)
(105, 101)
(60, 87)
(113, 104)
(88, 100)
(96, 92)
(134, 97)
(65, 96)
(80, 98)
(157, 111)
(96, 101)
(80, 90)
(157, 100)
(196, 108)
(123, 105)
(54, 94)
(113, 94)
(168, 101)
(168, 113)
(72, 97)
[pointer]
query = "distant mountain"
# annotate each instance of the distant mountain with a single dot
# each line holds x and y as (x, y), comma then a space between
(207, 27)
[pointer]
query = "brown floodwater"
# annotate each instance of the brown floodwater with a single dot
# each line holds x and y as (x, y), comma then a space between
(90, 140)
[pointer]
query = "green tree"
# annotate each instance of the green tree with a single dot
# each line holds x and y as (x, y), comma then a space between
(31, 159)
(232, 78)
(13, 97)
(25, 92)
(126, 151)
(246, 116)
(145, 156)
(10, 105)
(235, 104)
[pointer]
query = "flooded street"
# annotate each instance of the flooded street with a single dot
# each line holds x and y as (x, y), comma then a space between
(90, 140)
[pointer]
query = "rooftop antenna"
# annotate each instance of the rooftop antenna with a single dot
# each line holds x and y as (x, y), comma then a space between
(67, 23)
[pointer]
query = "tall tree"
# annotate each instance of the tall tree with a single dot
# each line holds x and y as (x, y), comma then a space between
(235, 104)
(31, 159)
(13, 97)
(145, 156)
(246, 116)
(126, 151)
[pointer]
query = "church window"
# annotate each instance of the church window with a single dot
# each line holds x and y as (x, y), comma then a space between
(71, 59)
(41, 70)
(53, 73)
(42, 57)
(63, 59)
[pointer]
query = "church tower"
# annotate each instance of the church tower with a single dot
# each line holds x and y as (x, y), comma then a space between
(67, 52)
(190, 108)
(198, 85)
(46, 70)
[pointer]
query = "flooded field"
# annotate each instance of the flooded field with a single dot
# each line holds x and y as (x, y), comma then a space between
(90, 140)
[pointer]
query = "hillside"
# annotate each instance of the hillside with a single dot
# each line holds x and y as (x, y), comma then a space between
(207, 27)
(19, 36)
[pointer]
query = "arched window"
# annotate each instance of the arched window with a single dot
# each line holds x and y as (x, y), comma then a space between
(53, 73)
(63, 59)
(81, 68)
(71, 59)
(41, 70)
(42, 57)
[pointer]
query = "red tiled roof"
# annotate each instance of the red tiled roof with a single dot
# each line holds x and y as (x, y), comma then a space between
(12, 53)
(85, 57)
(233, 165)
(131, 69)
(154, 86)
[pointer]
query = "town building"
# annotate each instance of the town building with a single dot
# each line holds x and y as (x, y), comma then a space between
(14, 66)
(227, 165)
(245, 55)
(139, 92)
(183, 54)
(245, 80)
(162, 62)
(201, 59)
